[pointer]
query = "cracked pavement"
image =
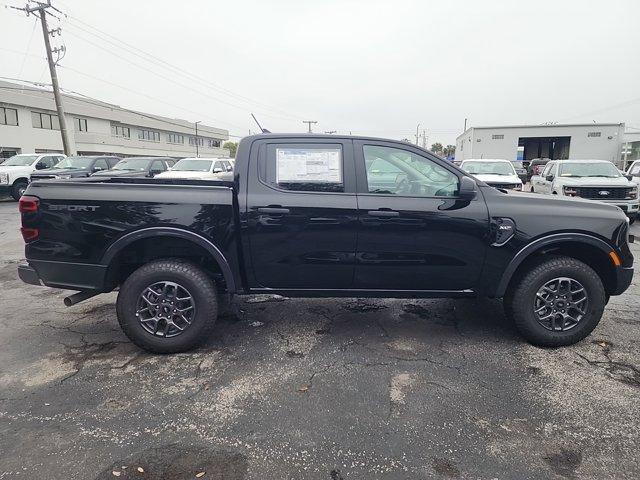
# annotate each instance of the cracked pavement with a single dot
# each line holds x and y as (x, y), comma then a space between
(312, 389)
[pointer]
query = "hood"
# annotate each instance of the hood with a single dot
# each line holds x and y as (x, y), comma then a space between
(491, 178)
(596, 182)
(74, 172)
(16, 168)
(120, 173)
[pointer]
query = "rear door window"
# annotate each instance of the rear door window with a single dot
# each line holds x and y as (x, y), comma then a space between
(304, 167)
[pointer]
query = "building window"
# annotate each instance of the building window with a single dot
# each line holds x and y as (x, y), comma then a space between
(192, 141)
(8, 116)
(47, 121)
(497, 137)
(213, 143)
(80, 124)
(149, 135)
(175, 138)
(120, 131)
(594, 134)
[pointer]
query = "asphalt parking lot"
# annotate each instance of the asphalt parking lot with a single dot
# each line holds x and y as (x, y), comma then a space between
(312, 389)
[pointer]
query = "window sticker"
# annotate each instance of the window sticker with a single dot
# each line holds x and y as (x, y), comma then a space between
(299, 165)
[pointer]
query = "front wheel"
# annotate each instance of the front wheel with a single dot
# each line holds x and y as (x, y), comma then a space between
(18, 189)
(167, 306)
(557, 302)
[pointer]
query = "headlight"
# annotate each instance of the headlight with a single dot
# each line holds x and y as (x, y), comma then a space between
(4, 178)
(518, 187)
(570, 191)
(633, 193)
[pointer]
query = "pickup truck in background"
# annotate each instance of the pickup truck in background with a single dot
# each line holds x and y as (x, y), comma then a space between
(323, 216)
(138, 167)
(590, 179)
(77, 167)
(16, 171)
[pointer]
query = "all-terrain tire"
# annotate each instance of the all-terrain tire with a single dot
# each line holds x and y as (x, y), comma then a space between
(520, 299)
(18, 188)
(199, 285)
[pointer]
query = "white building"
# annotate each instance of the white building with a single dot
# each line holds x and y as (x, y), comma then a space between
(602, 141)
(29, 123)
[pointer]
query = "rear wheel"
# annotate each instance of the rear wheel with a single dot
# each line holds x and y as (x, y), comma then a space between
(18, 189)
(557, 302)
(167, 306)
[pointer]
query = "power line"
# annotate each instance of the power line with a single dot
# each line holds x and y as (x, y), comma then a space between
(95, 102)
(108, 82)
(148, 57)
(169, 79)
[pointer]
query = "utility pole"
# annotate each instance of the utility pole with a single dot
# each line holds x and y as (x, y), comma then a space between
(197, 140)
(309, 122)
(417, 133)
(424, 138)
(465, 125)
(41, 8)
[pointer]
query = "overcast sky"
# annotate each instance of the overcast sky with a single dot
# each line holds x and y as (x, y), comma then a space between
(361, 66)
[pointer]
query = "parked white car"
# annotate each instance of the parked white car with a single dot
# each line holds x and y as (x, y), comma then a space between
(591, 179)
(495, 172)
(16, 171)
(200, 169)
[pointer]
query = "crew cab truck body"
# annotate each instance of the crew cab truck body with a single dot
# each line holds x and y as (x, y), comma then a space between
(324, 216)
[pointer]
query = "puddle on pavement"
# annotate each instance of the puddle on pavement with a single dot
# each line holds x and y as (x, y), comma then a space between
(177, 462)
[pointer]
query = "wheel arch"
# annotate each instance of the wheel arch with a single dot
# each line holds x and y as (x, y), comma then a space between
(20, 179)
(587, 248)
(114, 251)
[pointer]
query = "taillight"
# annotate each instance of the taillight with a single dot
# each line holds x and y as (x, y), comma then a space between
(29, 234)
(28, 204)
(29, 207)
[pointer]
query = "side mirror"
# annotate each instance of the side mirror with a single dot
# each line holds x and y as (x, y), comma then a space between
(629, 177)
(468, 188)
(217, 170)
(40, 166)
(153, 173)
(549, 178)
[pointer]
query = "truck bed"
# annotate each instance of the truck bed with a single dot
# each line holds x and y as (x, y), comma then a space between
(80, 221)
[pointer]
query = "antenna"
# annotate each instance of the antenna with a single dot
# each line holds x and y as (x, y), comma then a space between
(263, 130)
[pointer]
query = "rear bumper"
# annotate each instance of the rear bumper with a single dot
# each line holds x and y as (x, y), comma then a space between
(66, 275)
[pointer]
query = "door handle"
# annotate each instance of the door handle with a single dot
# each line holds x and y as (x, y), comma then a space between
(274, 210)
(383, 213)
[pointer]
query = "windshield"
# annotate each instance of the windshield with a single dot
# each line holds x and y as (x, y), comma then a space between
(132, 164)
(188, 165)
(74, 162)
(584, 169)
(488, 168)
(20, 160)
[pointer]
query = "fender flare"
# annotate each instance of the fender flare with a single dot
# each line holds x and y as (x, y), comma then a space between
(536, 245)
(117, 246)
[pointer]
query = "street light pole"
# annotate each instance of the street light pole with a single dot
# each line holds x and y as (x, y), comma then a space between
(417, 133)
(197, 140)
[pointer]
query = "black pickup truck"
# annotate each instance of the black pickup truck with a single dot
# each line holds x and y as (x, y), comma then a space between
(323, 216)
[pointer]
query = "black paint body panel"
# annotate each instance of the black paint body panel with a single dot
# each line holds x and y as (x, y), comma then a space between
(316, 243)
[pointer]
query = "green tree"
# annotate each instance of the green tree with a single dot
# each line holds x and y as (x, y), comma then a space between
(436, 147)
(232, 147)
(449, 150)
